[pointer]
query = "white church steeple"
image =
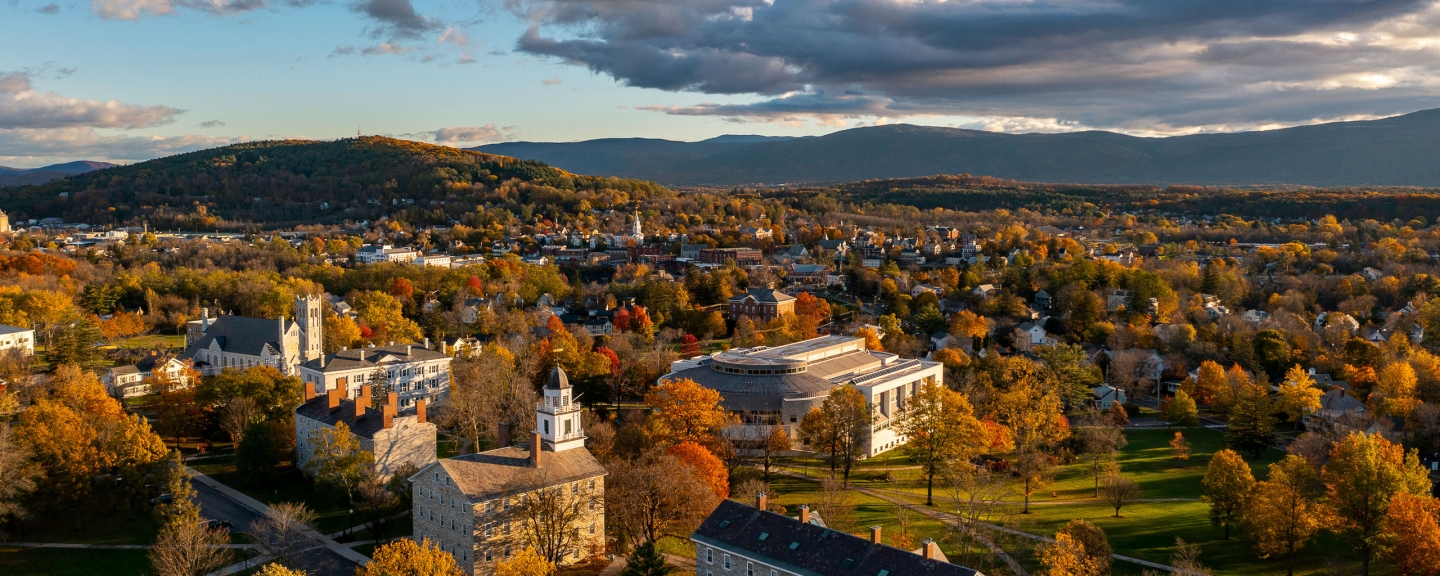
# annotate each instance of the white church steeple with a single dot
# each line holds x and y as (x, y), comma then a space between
(637, 233)
(557, 419)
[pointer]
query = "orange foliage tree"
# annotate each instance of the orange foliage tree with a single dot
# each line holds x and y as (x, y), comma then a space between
(707, 467)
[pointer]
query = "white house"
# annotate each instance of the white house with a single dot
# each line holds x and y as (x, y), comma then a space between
(17, 338)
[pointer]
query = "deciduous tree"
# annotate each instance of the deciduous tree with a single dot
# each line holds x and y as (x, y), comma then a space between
(1227, 483)
(1283, 513)
(705, 465)
(850, 417)
(1180, 447)
(685, 410)
(404, 557)
(1252, 420)
(940, 430)
(336, 459)
(1411, 534)
(1298, 395)
(1119, 491)
(1181, 410)
(1362, 475)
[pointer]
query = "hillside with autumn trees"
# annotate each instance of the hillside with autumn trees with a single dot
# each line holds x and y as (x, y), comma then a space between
(308, 181)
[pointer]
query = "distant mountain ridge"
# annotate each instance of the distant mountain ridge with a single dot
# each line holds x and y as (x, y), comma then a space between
(1397, 151)
(22, 176)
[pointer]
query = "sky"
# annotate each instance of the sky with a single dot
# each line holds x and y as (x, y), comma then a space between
(130, 80)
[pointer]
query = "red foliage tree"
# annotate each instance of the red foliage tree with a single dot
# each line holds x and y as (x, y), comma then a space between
(689, 346)
(621, 320)
(707, 467)
(401, 288)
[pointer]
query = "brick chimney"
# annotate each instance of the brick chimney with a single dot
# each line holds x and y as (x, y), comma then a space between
(360, 405)
(874, 534)
(804, 514)
(309, 391)
(364, 393)
(502, 436)
(928, 549)
(387, 414)
(392, 399)
(761, 500)
(419, 411)
(535, 450)
(333, 397)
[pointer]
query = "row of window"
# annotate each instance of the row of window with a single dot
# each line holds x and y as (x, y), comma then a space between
(750, 569)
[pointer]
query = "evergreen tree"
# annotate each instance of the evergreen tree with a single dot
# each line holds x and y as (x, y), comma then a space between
(1252, 421)
(646, 561)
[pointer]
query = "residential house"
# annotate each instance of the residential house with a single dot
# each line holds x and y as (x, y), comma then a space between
(1103, 397)
(17, 338)
(1337, 410)
(137, 379)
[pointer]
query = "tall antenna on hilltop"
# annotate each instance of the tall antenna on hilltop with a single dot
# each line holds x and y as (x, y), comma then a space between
(357, 131)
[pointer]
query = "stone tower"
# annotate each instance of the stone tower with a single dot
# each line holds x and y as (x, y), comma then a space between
(557, 419)
(311, 320)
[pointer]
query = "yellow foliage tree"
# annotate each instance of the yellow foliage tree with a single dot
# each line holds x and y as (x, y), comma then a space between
(1362, 475)
(1283, 511)
(1227, 483)
(1068, 557)
(1396, 387)
(1298, 395)
(1412, 534)
(941, 429)
(526, 563)
(405, 557)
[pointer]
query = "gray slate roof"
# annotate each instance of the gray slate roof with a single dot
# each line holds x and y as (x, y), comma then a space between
(373, 357)
(809, 549)
(763, 295)
(507, 470)
(318, 409)
(241, 335)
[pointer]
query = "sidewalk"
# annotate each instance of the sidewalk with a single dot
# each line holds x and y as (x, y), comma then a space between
(261, 508)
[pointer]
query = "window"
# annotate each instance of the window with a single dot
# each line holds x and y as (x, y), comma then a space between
(488, 556)
(489, 507)
(749, 569)
(437, 476)
(709, 555)
(489, 530)
(447, 480)
(592, 528)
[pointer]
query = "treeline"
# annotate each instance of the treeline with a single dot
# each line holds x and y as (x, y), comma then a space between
(287, 181)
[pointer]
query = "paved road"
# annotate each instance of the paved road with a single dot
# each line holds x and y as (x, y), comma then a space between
(1154, 404)
(317, 560)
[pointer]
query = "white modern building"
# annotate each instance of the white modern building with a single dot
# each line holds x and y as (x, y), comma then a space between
(769, 386)
(410, 370)
(374, 253)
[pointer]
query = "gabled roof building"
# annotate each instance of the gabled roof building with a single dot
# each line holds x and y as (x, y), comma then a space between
(737, 539)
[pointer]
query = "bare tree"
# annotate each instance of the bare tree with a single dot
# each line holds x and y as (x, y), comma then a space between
(282, 531)
(376, 501)
(1119, 491)
(836, 505)
(645, 498)
(189, 548)
(550, 519)
(238, 415)
(487, 392)
(983, 500)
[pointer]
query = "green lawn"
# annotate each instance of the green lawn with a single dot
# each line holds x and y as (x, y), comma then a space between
(72, 562)
(288, 485)
(1147, 530)
(93, 527)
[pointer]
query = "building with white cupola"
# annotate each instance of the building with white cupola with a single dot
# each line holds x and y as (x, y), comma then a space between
(548, 494)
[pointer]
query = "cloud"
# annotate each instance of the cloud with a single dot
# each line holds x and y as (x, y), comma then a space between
(49, 9)
(453, 35)
(136, 9)
(396, 19)
(552, 81)
(211, 124)
(1134, 65)
(24, 145)
(464, 135)
(23, 107)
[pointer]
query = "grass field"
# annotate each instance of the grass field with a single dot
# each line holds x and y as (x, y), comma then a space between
(72, 562)
(1146, 530)
(287, 485)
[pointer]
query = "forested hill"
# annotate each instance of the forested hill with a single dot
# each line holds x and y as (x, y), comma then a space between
(305, 181)
(1398, 151)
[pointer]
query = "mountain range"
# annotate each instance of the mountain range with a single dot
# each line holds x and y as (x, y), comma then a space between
(1395, 151)
(22, 176)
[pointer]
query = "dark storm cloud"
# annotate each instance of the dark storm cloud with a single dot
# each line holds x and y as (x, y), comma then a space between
(396, 19)
(1145, 64)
